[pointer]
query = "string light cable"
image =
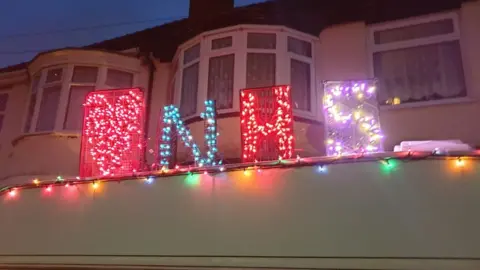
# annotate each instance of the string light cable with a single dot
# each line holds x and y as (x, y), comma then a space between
(386, 159)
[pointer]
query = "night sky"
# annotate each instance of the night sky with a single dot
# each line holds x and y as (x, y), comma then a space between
(25, 23)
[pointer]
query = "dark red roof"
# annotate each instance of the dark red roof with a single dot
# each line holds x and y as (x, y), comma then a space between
(308, 16)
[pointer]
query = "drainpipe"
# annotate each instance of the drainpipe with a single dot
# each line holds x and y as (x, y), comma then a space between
(151, 73)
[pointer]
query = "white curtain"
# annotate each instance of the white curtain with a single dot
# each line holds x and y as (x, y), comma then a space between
(260, 70)
(220, 80)
(188, 102)
(421, 73)
(74, 117)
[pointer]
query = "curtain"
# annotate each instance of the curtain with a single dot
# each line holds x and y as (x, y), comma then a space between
(74, 117)
(220, 80)
(260, 70)
(188, 101)
(300, 83)
(422, 73)
(48, 108)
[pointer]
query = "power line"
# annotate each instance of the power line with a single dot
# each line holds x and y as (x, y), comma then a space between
(88, 27)
(76, 29)
(23, 52)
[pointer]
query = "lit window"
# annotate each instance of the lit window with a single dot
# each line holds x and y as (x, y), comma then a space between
(418, 62)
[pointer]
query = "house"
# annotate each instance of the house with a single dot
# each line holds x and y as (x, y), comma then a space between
(427, 62)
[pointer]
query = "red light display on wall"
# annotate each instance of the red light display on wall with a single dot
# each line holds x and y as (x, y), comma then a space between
(266, 123)
(113, 133)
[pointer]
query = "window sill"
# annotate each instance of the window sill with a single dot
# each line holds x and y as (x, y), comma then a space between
(16, 140)
(428, 103)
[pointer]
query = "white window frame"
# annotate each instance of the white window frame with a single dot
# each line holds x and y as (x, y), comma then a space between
(66, 83)
(239, 48)
(454, 36)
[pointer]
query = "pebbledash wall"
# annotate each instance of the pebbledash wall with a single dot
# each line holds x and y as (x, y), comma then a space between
(341, 52)
(417, 215)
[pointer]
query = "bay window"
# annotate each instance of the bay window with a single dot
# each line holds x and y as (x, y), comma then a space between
(218, 64)
(418, 60)
(57, 95)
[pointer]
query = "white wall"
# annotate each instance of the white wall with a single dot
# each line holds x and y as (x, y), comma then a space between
(426, 210)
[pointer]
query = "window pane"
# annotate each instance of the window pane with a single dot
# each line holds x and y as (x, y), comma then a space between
(188, 103)
(32, 102)
(191, 54)
(261, 41)
(220, 80)
(54, 75)
(414, 31)
(221, 43)
(74, 117)
(119, 79)
(3, 101)
(299, 47)
(300, 83)
(84, 74)
(48, 108)
(260, 70)
(422, 73)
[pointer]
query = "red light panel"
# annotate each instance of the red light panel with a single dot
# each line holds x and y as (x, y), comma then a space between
(266, 123)
(113, 133)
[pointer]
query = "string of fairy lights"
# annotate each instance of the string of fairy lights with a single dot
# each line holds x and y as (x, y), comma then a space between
(321, 165)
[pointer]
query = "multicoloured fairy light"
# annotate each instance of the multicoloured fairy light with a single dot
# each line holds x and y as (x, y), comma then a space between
(112, 139)
(352, 118)
(172, 122)
(272, 122)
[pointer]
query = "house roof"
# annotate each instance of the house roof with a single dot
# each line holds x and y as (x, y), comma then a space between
(308, 16)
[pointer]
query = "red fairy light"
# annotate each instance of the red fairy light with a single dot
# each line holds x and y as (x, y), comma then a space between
(266, 116)
(112, 138)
